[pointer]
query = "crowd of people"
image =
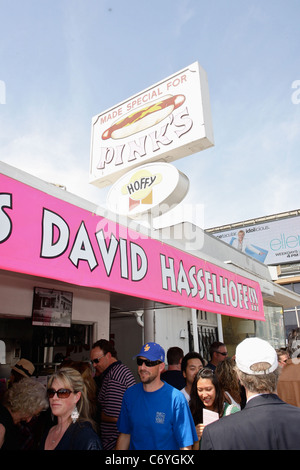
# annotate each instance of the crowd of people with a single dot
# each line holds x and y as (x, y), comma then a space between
(249, 401)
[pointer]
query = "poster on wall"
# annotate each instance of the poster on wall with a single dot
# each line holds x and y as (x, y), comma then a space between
(271, 243)
(52, 307)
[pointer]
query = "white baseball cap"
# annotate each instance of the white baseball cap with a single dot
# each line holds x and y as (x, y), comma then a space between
(253, 350)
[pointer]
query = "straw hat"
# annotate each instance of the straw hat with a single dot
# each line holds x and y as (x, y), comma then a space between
(24, 367)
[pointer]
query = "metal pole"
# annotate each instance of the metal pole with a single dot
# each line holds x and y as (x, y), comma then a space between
(195, 330)
(220, 328)
(297, 317)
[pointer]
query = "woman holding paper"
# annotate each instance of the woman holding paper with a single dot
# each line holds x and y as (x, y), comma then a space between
(208, 401)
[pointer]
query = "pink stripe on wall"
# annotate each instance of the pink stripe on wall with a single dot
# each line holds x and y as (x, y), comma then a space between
(44, 236)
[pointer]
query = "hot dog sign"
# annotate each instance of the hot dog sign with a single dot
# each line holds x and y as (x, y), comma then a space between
(165, 122)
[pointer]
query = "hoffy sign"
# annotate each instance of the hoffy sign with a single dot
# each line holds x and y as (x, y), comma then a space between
(154, 188)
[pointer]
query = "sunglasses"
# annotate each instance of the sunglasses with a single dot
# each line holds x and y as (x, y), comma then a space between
(147, 362)
(61, 393)
(95, 361)
(223, 354)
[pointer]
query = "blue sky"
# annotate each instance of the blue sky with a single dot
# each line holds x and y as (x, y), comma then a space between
(64, 61)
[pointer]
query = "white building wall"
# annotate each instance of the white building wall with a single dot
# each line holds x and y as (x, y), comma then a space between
(171, 327)
(127, 336)
(90, 306)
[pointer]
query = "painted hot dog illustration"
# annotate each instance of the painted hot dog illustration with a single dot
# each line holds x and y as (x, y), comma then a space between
(143, 118)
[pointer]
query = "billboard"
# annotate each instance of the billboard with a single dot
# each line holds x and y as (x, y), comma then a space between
(165, 122)
(272, 243)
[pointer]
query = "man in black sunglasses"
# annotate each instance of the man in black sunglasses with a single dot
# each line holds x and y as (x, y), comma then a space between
(218, 352)
(115, 379)
(154, 415)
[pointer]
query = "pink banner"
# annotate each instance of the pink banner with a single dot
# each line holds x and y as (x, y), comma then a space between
(44, 236)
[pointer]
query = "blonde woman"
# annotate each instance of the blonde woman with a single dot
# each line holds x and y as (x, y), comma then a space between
(69, 403)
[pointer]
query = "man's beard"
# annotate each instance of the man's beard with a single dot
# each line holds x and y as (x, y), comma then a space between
(147, 378)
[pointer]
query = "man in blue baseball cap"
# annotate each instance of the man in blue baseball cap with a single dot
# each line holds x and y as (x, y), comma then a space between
(154, 415)
(152, 351)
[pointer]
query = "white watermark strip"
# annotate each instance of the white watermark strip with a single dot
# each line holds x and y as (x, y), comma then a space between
(2, 92)
(296, 94)
(184, 225)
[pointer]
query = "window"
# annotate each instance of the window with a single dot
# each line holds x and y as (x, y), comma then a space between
(292, 316)
(2, 352)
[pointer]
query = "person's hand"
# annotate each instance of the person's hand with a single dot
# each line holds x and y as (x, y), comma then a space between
(199, 430)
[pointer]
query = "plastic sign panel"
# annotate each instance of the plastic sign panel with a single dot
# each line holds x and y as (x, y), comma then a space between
(43, 236)
(153, 188)
(165, 122)
(276, 242)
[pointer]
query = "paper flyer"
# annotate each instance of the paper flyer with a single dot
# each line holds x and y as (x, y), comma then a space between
(209, 416)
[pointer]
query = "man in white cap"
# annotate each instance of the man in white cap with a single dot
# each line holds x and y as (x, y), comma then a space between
(154, 415)
(266, 422)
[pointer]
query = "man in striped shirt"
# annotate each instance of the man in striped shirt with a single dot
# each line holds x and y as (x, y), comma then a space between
(115, 379)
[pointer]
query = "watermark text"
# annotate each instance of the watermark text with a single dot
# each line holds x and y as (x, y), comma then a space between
(296, 94)
(2, 92)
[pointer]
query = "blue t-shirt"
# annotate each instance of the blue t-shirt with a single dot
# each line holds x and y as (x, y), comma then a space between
(159, 420)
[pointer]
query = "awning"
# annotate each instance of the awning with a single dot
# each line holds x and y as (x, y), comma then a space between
(47, 236)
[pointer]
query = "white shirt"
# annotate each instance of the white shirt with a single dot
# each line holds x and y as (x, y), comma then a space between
(183, 390)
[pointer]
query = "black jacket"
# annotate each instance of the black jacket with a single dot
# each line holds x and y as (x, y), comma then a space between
(11, 438)
(78, 436)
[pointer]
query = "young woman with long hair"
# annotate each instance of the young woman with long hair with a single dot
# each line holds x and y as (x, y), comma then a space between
(208, 394)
